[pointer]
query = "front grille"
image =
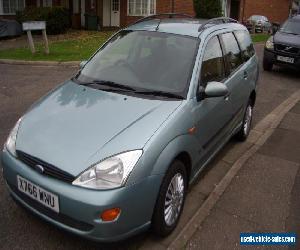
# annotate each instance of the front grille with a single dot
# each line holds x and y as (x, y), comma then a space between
(287, 49)
(61, 218)
(49, 169)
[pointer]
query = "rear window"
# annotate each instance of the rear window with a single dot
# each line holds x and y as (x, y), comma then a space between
(245, 43)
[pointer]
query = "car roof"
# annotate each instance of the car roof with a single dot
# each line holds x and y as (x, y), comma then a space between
(181, 26)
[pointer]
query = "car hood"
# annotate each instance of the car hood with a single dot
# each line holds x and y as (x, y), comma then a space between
(288, 39)
(71, 127)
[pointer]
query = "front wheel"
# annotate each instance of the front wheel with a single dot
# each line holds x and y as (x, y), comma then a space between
(170, 200)
(243, 134)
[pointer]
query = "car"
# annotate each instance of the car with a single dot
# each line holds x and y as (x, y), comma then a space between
(283, 47)
(257, 23)
(113, 151)
(9, 28)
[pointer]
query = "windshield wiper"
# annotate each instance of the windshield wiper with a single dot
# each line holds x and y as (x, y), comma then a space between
(160, 93)
(109, 84)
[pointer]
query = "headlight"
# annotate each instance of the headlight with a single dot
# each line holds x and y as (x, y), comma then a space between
(270, 43)
(11, 140)
(110, 173)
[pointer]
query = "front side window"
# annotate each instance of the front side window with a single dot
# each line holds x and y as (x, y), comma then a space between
(245, 43)
(232, 51)
(11, 6)
(141, 7)
(142, 60)
(213, 63)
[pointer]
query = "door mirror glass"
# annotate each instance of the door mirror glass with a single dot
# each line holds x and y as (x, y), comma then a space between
(215, 89)
(275, 28)
(82, 64)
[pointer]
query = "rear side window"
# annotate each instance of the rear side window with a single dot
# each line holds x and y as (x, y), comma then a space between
(232, 51)
(246, 45)
(213, 63)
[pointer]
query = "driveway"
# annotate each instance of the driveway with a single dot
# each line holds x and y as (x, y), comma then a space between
(21, 85)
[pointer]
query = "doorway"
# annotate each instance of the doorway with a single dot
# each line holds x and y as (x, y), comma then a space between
(235, 9)
(111, 13)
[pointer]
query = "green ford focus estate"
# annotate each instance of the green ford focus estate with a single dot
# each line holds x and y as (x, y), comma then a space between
(113, 151)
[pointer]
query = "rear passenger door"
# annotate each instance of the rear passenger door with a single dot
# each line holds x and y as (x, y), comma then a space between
(237, 76)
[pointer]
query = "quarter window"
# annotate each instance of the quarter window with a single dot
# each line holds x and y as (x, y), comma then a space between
(246, 45)
(141, 7)
(213, 63)
(232, 51)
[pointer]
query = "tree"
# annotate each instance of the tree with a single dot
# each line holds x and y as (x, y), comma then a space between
(208, 8)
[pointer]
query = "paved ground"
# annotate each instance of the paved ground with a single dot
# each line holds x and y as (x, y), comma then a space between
(263, 197)
(21, 85)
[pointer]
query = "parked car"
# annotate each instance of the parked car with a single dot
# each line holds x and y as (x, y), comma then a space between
(113, 150)
(9, 28)
(283, 47)
(258, 23)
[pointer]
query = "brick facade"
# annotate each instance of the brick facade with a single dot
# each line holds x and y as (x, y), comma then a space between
(274, 10)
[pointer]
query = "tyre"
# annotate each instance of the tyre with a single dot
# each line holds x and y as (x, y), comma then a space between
(243, 133)
(267, 65)
(170, 201)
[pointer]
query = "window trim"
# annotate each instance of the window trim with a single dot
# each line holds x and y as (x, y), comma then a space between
(10, 13)
(228, 67)
(148, 8)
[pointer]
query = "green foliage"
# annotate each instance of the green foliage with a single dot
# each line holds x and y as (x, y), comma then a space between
(208, 8)
(57, 18)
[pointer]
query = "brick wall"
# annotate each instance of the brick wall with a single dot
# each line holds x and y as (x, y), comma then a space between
(274, 10)
(162, 6)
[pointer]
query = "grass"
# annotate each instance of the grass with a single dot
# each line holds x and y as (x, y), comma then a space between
(262, 37)
(74, 46)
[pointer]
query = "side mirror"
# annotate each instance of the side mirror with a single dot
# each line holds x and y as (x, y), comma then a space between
(275, 28)
(82, 64)
(213, 89)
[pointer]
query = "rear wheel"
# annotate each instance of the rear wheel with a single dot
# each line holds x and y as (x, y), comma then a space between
(267, 65)
(170, 200)
(243, 134)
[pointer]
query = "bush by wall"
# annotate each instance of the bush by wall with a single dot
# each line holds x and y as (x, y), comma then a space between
(208, 8)
(57, 18)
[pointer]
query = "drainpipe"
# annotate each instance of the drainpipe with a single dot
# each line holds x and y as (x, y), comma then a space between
(172, 6)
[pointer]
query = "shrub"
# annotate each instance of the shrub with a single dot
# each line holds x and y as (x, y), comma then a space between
(57, 18)
(208, 8)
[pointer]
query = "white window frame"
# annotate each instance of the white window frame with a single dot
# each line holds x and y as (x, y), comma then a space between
(47, 3)
(140, 14)
(10, 13)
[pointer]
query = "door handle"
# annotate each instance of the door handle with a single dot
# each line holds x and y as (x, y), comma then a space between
(245, 74)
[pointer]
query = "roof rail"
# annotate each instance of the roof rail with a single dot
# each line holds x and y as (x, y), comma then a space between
(169, 15)
(218, 20)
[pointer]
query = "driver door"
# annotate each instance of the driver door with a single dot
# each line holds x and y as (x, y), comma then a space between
(211, 115)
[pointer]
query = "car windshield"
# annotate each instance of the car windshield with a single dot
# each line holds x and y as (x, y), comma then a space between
(291, 26)
(256, 18)
(142, 60)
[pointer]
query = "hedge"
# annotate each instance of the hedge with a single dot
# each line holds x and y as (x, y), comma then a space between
(208, 8)
(57, 18)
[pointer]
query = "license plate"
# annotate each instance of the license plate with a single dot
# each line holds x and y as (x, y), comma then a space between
(285, 59)
(39, 194)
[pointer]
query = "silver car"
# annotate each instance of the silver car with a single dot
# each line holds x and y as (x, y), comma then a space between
(113, 151)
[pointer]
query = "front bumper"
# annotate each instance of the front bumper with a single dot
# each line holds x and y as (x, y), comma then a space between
(271, 57)
(80, 208)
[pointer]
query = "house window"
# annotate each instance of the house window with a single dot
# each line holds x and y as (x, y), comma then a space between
(141, 7)
(11, 6)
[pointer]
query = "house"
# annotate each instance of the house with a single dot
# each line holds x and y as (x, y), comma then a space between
(119, 13)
